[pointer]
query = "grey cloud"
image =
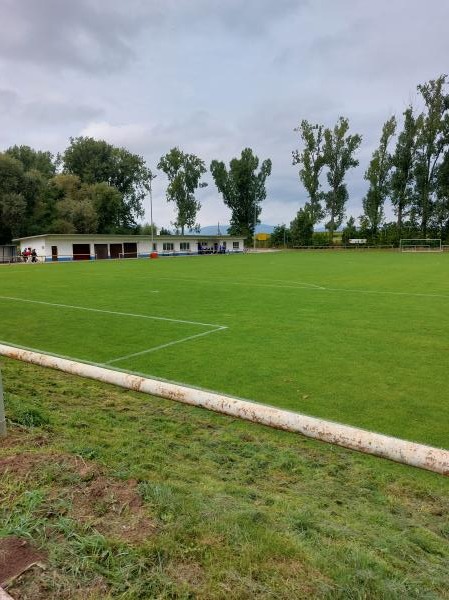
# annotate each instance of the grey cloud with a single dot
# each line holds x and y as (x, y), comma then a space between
(98, 36)
(8, 100)
(92, 36)
(47, 111)
(214, 76)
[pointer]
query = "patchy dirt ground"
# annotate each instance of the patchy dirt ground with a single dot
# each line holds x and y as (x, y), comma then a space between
(113, 507)
(17, 555)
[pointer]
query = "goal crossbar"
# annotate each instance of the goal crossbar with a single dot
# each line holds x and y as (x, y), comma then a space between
(420, 245)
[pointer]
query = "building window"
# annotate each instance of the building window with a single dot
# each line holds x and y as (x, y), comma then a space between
(168, 246)
(184, 245)
(155, 247)
(236, 245)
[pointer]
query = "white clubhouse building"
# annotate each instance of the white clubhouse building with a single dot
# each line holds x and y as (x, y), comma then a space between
(73, 246)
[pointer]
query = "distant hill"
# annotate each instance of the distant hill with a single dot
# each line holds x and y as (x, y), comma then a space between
(212, 229)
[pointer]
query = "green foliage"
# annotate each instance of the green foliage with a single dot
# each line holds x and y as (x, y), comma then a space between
(378, 176)
(96, 161)
(107, 203)
(243, 190)
(339, 150)
(184, 172)
(432, 144)
(311, 160)
(12, 202)
(301, 228)
(147, 228)
(280, 236)
(350, 231)
(401, 182)
(34, 160)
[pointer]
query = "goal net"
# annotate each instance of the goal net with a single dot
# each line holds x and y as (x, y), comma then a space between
(417, 245)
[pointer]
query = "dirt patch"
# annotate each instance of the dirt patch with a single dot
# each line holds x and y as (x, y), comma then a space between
(114, 508)
(16, 556)
(26, 463)
(16, 438)
(187, 573)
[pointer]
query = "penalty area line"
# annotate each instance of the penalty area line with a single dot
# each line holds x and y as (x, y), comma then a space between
(162, 346)
(112, 312)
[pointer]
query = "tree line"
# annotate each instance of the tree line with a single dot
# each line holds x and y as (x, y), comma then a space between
(413, 175)
(95, 187)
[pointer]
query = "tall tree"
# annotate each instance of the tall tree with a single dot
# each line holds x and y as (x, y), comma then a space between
(96, 161)
(12, 201)
(339, 150)
(107, 202)
(433, 140)
(442, 202)
(403, 164)
(311, 162)
(301, 228)
(36, 160)
(350, 231)
(377, 174)
(280, 236)
(74, 210)
(243, 190)
(184, 172)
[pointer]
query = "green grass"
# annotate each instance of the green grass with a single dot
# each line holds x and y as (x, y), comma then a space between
(238, 511)
(368, 350)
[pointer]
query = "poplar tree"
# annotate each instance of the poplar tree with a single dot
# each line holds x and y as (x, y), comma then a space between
(377, 174)
(243, 190)
(432, 142)
(311, 162)
(402, 178)
(339, 150)
(184, 172)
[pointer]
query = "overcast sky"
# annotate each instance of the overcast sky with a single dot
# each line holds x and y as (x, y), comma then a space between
(213, 77)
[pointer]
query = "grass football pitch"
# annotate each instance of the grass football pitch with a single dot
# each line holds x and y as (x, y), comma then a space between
(357, 337)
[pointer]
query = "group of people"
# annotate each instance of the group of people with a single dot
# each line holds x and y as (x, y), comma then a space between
(215, 249)
(29, 255)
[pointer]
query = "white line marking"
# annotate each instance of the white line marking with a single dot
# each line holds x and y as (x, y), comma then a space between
(298, 283)
(191, 337)
(244, 283)
(113, 312)
(386, 292)
(14, 345)
(308, 286)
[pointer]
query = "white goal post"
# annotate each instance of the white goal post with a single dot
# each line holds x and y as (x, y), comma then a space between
(420, 245)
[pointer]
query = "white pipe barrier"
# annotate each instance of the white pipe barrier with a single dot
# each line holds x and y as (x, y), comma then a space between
(402, 451)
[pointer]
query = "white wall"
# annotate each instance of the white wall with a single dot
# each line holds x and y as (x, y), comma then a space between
(65, 245)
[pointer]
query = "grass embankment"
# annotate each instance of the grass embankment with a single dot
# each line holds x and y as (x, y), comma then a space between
(136, 497)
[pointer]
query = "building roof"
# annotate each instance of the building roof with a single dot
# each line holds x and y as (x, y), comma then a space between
(104, 236)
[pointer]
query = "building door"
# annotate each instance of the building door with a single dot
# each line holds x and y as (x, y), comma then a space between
(54, 253)
(101, 251)
(115, 250)
(81, 251)
(130, 249)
